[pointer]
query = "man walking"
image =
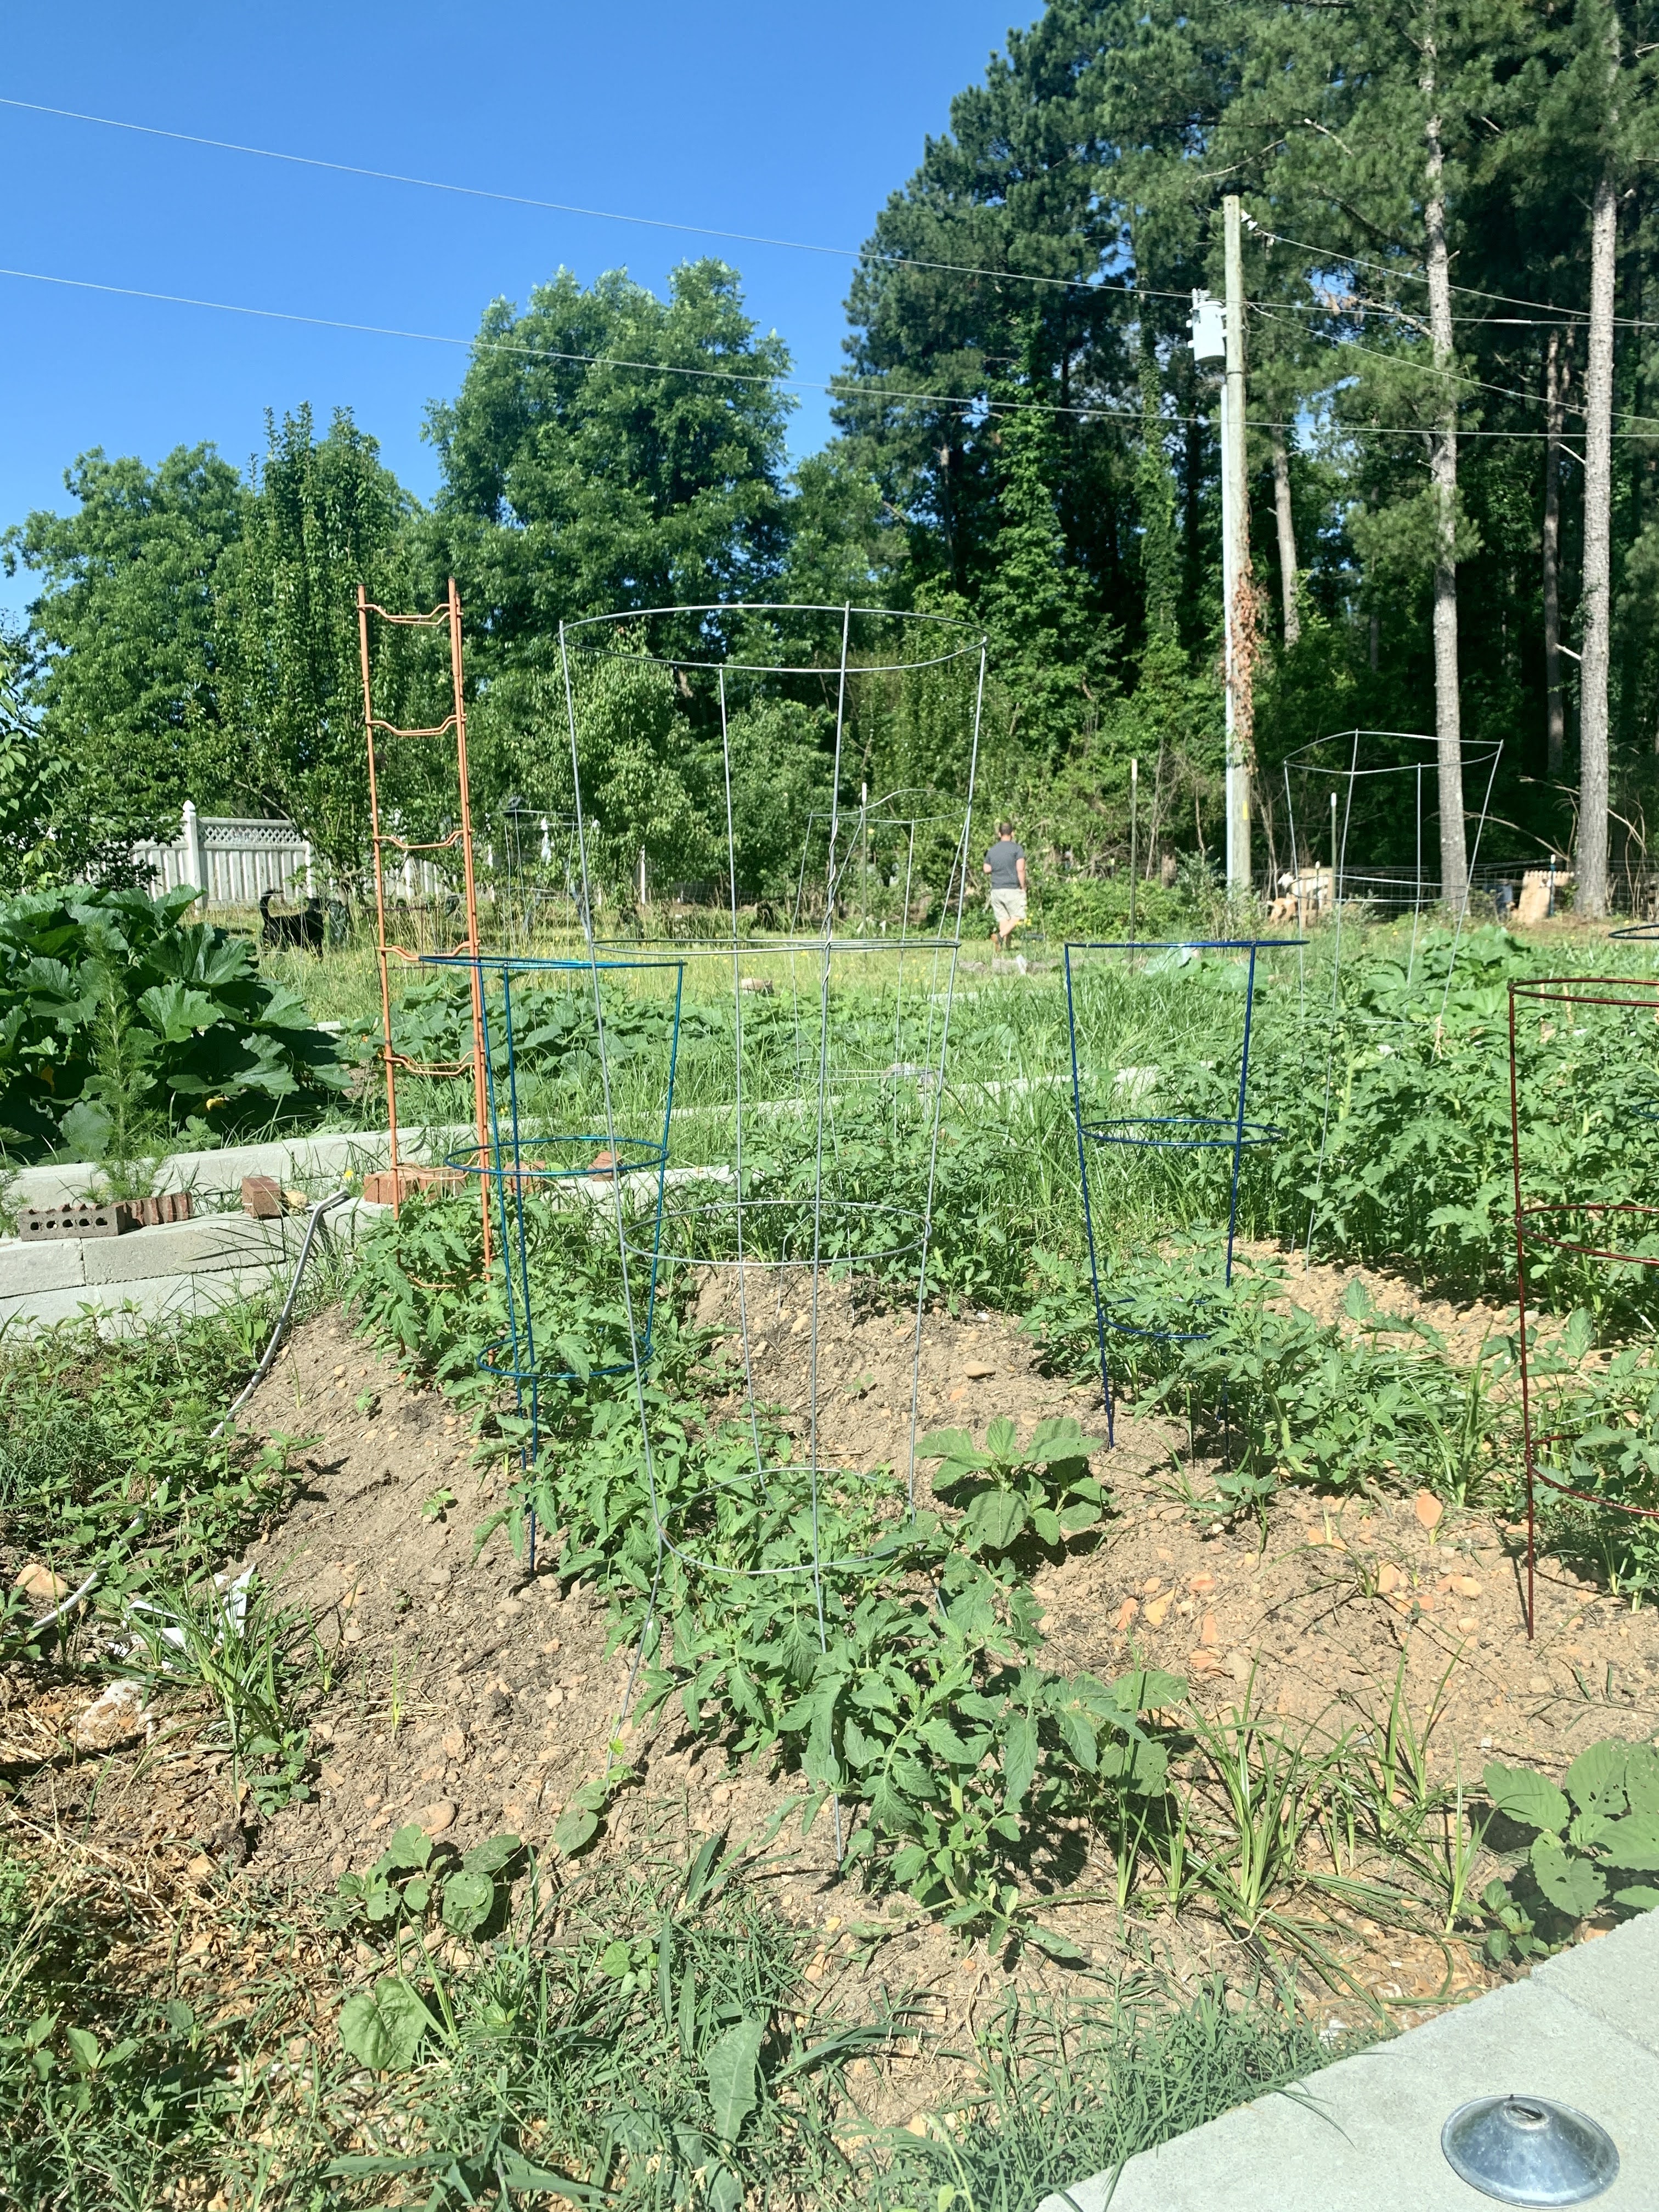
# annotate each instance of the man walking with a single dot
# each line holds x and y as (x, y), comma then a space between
(1005, 864)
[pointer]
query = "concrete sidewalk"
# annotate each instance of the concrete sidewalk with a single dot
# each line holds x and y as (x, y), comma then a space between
(1363, 2135)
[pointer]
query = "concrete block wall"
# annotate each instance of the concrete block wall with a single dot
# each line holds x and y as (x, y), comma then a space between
(315, 1164)
(180, 1267)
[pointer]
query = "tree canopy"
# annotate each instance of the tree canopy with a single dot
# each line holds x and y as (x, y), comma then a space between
(1449, 269)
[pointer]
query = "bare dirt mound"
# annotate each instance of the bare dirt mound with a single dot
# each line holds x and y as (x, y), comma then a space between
(480, 1696)
(473, 1696)
(1466, 1327)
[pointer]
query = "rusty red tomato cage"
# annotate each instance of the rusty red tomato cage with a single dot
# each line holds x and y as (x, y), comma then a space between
(1641, 994)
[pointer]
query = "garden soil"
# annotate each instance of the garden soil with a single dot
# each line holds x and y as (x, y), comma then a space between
(474, 1696)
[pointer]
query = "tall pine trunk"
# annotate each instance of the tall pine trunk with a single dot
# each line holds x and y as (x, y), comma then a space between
(1286, 522)
(1555, 400)
(1442, 475)
(1591, 897)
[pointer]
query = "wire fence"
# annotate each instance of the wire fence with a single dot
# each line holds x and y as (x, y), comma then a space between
(1496, 887)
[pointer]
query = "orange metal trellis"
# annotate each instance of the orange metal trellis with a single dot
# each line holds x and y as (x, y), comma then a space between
(375, 728)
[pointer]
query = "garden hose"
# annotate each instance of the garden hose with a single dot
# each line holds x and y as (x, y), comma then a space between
(317, 1209)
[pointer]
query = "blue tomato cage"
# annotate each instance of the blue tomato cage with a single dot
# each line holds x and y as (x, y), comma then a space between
(597, 1168)
(1165, 1133)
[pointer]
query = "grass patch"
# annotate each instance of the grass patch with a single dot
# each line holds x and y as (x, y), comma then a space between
(645, 2040)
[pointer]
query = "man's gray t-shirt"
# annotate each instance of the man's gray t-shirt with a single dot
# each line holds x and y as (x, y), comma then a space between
(1003, 861)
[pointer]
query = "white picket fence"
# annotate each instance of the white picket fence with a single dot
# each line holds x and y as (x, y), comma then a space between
(233, 861)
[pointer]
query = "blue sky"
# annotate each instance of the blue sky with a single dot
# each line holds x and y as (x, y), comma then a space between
(792, 121)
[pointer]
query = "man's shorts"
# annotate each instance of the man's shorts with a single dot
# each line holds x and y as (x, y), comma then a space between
(1008, 907)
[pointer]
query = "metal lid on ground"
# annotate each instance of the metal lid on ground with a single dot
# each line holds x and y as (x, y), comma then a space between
(1529, 2150)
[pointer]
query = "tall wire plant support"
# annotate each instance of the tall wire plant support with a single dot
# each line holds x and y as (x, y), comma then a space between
(384, 838)
(1154, 1135)
(524, 1172)
(787, 1205)
(1369, 785)
(1583, 1228)
(532, 861)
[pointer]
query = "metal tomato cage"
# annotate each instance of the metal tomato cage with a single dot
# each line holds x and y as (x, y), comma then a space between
(1233, 1135)
(836, 1230)
(1354, 781)
(1547, 1225)
(520, 1171)
(1357, 777)
(384, 837)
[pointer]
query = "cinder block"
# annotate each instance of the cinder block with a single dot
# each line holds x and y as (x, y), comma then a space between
(320, 1159)
(203, 1246)
(43, 1308)
(25, 1270)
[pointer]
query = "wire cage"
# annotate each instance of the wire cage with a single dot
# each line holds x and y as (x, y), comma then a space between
(532, 871)
(1377, 791)
(1607, 1232)
(1374, 794)
(1157, 1137)
(866, 888)
(529, 1174)
(805, 1128)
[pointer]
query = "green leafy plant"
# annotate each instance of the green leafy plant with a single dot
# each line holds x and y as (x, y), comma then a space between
(579, 1823)
(123, 1021)
(386, 2026)
(1601, 1827)
(1044, 1485)
(1600, 1409)
(418, 1881)
(114, 1122)
(1267, 1788)
(109, 1458)
(246, 1654)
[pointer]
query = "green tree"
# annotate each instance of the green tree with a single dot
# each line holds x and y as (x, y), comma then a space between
(1008, 194)
(610, 450)
(1047, 640)
(32, 778)
(646, 780)
(323, 516)
(841, 545)
(780, 773)
(127, 676)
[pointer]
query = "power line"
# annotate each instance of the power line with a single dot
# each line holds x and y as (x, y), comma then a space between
(971, 402)
(566, 207)
(1474, 383)
(842, 389)
(1099, 283)
(1336, 258)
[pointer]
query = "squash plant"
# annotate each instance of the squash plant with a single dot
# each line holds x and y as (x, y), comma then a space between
(1602, 1828)
(416, 1877)
(1045, 1485)
(123, 1021)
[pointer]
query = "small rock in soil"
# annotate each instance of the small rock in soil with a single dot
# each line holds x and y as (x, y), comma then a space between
(39, 1585)
(114, 1716)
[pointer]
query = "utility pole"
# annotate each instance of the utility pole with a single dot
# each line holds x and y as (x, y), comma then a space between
(1235, 557)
